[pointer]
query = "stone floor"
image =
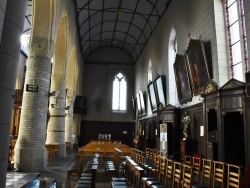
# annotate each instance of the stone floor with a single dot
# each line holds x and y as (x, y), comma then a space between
(57, 170)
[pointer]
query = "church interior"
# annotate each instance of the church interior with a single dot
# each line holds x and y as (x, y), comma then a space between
(146, 84)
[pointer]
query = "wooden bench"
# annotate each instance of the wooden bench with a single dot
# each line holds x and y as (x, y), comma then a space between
(68, 147)
(105, 150)
(134, 174)
(52, 152)
(75, 169)
(113, 167)
(87, 180)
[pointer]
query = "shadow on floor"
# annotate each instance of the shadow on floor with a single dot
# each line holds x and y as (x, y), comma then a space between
(58, 170)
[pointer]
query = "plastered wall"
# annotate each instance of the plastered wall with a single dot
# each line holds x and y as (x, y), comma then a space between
(98, 83)
(190, 19)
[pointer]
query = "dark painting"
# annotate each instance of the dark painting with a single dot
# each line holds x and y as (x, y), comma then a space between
(182, 79)
(197, 63)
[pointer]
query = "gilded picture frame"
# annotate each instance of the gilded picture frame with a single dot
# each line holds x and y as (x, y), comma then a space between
(182, 79)
(197, 65)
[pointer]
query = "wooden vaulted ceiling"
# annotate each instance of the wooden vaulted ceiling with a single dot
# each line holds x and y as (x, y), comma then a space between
(123, 24)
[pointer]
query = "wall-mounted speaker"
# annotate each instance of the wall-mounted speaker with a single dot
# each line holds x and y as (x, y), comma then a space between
(248, 83)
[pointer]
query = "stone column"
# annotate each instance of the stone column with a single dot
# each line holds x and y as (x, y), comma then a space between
(56, 123)
(69, 120)
(76, 126)
(30, 152)
(12, 16)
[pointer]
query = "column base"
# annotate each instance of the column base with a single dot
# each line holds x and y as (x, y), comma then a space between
(31, 159)
(62, 152)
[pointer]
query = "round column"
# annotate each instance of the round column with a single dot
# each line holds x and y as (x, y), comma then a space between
(30, 151)
(56, 123)
(69, 120)
(12, 28)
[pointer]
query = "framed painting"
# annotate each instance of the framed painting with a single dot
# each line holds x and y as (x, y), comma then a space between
(197, 64)
(160, 90)
(138, 102)
(182, 79)
(143, 106)
(152, 96)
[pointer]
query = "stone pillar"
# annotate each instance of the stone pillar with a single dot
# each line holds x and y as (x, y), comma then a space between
(10, 45)
(56, 123)
(30, 152)
(76, 126)
(69, 120)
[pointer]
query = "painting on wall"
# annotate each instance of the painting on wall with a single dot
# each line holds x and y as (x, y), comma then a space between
(197, 64)
(152, 96)
(138, 102)
(160, 90)
(182, 79)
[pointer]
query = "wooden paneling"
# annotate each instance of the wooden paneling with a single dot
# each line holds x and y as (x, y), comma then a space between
(90, 130)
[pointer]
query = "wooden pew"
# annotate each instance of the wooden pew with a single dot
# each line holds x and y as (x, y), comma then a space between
(106, 150)
(52, 152)
(112, 167)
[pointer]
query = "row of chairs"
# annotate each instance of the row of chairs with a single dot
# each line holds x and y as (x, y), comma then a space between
(133, 173)
(105, 141)
(214, 173)
(194, 171)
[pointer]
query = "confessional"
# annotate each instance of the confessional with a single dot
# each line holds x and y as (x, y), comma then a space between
(224, 119)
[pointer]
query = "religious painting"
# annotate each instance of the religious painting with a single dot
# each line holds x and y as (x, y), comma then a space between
(182, 79)
(152, 96)
(197, 64)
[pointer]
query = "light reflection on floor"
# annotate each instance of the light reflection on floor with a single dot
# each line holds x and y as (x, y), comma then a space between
(18, 179)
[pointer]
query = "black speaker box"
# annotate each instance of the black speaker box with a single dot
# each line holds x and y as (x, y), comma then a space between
(248, 83)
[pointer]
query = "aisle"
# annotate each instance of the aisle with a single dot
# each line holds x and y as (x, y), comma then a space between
(58, 170)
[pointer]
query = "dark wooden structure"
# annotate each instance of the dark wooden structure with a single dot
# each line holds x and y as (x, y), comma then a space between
(224, 119)
(224, 116)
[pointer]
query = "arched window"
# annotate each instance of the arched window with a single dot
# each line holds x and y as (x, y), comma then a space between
(150, 79)
(172, 49)
(119, 98)
(235, 20)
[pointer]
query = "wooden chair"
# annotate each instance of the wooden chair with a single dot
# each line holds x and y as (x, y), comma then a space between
(188, 160)
(206, 172)
(151, 167)
(137, 175)
(148, 159)
(218, 173)
(196, 164)
(245, 180)
(154, 171)
(167, 182)
(75, 170)
(160, 176)
(177, 175)
(187, 176)
(233, 176)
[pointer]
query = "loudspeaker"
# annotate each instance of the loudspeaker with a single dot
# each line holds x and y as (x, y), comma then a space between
(247, 83)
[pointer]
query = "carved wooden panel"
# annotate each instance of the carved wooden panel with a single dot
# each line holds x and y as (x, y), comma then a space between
(232, 103)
